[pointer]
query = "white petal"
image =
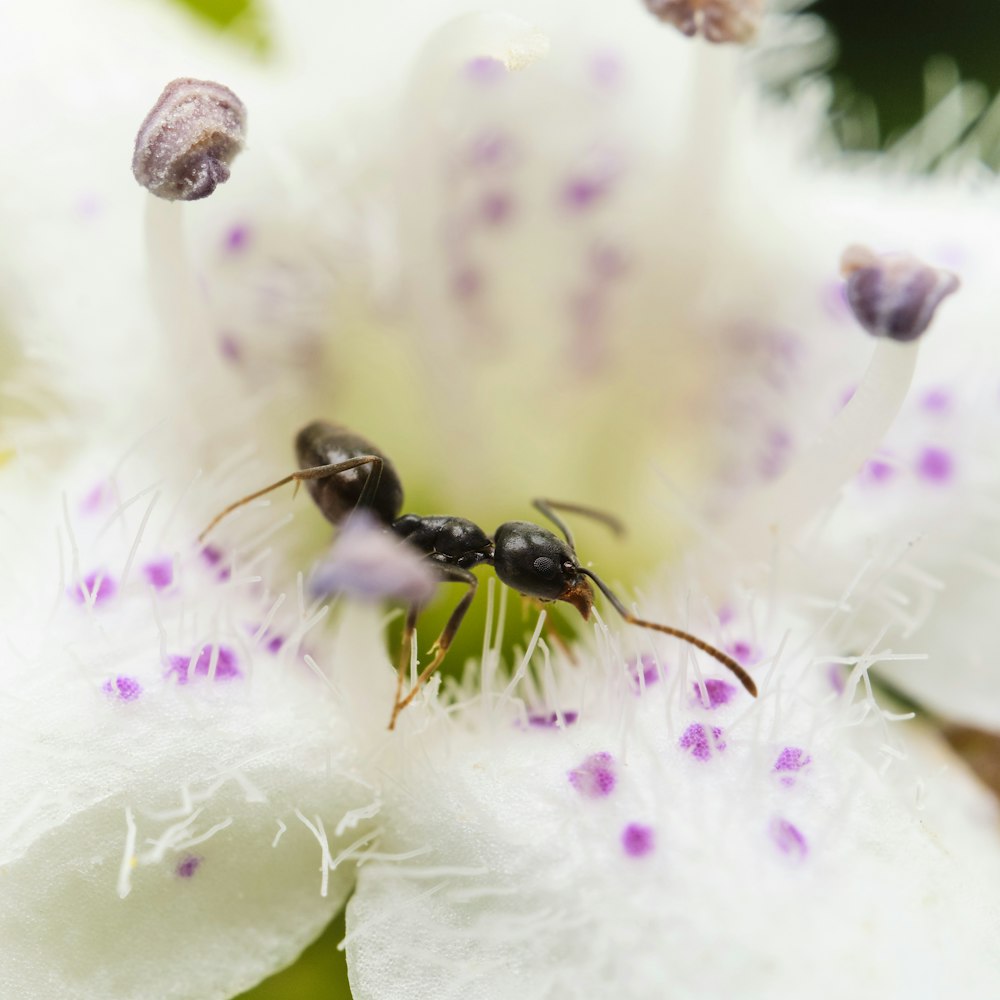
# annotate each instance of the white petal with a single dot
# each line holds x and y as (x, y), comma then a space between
(652, 847)
(185, 780)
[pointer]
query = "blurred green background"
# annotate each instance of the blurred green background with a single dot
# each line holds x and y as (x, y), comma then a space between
(884, 48)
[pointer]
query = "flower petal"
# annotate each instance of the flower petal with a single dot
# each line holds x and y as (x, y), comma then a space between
(653, 849)
(185, 799)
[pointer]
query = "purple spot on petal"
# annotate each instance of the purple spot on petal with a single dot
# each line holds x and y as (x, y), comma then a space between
(638, 840)
(606, 70)
(789, 839)
(226, 667)
(935, 465)
(95, 588)
(100, 498)
(230, 348)
(695, 739)
(237, 238)
(160, 573)
(467, 283)
(726, 614)
(492, 149)
(743, 652)
(643, 673)
(213, 557)
(188, 865)
(550, 720)
(607, 261)
(271, 641)
(496, 208)
(580, 193)
(835, 675)
(792, 759)
(89, 207)
(877, 470)
(122, 687)
(777, 447)
(936, 401)
(718, 692)
(485, 70)
(595, 777)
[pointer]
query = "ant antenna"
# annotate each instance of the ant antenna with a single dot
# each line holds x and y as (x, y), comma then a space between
(692, 640)
(549, 508)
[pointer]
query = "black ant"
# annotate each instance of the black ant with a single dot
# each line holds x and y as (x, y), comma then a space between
(527, 557)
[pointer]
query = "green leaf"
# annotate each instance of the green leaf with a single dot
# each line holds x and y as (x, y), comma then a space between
(243, 20)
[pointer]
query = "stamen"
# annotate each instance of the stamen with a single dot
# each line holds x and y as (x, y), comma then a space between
(893, 295)
(897, 296)
(188, 139)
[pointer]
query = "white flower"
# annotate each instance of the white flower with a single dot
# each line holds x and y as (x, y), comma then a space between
(546, 251)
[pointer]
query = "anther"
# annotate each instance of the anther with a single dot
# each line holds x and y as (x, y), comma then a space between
(188, 139)
(716, 21)
(893, 295)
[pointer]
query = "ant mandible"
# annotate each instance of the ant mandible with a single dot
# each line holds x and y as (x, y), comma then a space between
(525, 556)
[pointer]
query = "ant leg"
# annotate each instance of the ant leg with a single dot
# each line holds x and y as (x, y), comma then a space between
(549, 508)
(316, 472)
(440, 648)
(692, 640)
(406, 644)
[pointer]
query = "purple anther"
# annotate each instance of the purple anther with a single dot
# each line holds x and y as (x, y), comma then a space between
(894, 295)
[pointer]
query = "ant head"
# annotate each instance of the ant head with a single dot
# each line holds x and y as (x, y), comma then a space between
(539, 564)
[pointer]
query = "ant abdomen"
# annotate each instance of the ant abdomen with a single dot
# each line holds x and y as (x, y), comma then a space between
(321, 443)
